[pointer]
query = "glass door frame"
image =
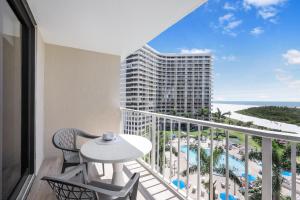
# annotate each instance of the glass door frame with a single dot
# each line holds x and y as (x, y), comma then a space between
(24, 15)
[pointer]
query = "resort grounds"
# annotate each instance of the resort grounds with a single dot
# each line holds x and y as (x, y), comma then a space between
(236, 165)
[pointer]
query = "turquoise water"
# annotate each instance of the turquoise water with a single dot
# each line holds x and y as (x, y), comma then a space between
(235, 165)
(223, 196)
(179, 183)
(286, 173)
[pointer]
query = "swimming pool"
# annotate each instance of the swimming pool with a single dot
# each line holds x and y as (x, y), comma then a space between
(286, 173)
(235, 165)
(179, 183)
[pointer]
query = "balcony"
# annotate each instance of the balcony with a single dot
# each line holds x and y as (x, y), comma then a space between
(176, 142)
(75, 72)
(163, 166)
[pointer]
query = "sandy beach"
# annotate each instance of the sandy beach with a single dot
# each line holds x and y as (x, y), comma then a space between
(257, 121)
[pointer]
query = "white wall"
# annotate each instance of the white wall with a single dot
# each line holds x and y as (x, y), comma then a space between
(81, 91)
(39, 101)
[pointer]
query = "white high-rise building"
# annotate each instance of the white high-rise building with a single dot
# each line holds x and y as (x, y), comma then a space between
(167, 83)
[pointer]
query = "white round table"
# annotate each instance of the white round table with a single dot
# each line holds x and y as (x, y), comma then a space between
(125, 148)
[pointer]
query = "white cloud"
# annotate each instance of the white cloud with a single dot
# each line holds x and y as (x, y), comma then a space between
(263, 3)
(292, 57)
(228, 6)
(268, 12)
(233, 24)
(287, 79)
(195, 51)
(230, 58)
(226, 17)
(267, 9)
(256, 31)
(228, 23)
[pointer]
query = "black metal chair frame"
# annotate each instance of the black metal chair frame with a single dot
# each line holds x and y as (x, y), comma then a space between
(72, 134)
(65, 188)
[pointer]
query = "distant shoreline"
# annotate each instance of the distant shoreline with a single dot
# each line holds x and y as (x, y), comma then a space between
(226, 107)
(261, 103)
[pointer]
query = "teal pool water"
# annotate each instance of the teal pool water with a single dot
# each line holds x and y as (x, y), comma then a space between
(286, 173)
(179, 183)
(236, 165)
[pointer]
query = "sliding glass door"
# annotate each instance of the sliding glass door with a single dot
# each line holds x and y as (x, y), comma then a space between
(12, 109)
(17, 98)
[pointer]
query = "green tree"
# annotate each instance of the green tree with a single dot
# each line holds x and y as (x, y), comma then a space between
(203, 113)
(219, 116)
(249, 124)
(205, 162)
(278, 156)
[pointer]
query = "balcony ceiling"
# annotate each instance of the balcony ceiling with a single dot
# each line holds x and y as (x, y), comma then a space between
(116, 27)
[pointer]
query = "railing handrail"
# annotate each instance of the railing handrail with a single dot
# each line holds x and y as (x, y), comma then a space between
(293, 137)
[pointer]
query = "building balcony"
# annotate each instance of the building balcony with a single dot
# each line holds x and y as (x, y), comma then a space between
(230, 166)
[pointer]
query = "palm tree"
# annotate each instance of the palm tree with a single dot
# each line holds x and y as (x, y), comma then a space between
(203, 113)
(232, 176)
(249, 124)
(278, 156)
(205, 162)
(161, 149)
(219, 116)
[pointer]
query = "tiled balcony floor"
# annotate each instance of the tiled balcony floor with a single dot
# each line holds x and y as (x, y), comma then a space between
(150, 187)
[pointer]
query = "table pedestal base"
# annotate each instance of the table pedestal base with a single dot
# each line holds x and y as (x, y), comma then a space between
(118, 177)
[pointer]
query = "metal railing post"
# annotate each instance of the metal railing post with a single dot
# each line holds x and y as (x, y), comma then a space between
(188, 161)
(171, 151)
(164, 148)
(178, 159)
(294, 169)
(211, 186)
(227, 164)
(246, 167)
(199, 163)
(153, 141)
(266, 168)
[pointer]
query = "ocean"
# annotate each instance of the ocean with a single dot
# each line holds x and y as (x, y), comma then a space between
(262, 103)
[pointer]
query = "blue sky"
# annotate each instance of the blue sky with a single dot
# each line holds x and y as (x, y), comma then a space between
(255, 43)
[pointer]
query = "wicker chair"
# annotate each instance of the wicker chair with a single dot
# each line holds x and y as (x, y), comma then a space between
(65, 140)
(74, 185)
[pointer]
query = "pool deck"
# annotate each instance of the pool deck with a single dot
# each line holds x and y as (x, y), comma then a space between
(254, 169)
